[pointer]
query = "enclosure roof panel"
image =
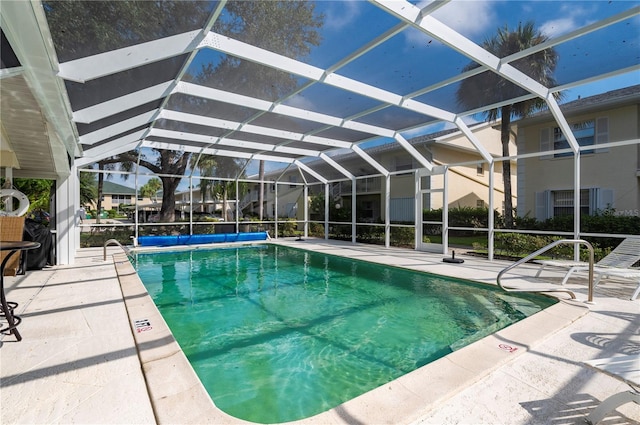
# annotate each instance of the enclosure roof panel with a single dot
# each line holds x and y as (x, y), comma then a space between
(293, 81)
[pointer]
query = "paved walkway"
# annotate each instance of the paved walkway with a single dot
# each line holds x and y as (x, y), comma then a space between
(78, 363)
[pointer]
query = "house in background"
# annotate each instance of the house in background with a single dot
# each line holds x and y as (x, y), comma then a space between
(114, 195)
(468, 183)
(119, 197)
(211, 206)
(609, 178)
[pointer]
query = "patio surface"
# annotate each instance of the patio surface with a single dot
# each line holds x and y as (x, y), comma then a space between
(79, 362)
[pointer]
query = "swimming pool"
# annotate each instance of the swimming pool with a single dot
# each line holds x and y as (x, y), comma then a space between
(277, 334)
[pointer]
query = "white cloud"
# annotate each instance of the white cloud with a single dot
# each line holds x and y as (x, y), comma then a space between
(427, 129)
(558, 26)
(340, 18)
(469, 18)
(574, 17)
(301, 102)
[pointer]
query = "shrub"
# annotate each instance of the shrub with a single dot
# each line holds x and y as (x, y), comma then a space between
(97, 237)
(602, 222)
(521, 245)
(287, 227)
(370, 234)
(316, 229)
(464, 217)
(402, 236)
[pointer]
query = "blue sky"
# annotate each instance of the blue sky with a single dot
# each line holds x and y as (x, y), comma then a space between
(413, 60)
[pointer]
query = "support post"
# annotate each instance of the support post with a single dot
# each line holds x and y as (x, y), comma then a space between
(326, 211)
(353, 210)
(576, 204)
(65, 213)
(305, 195)
(387, 210)
(492, 230)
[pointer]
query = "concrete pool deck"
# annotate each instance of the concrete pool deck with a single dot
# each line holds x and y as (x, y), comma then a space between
(79, 362)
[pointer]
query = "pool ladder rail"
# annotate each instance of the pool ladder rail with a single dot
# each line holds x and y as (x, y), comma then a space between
(114, 242)
(542, 251)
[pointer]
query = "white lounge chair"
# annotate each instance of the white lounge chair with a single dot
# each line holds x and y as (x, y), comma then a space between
(631, 274)
(625, 369)
(617, 263)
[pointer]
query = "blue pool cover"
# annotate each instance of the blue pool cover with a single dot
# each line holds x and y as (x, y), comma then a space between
(201, 239)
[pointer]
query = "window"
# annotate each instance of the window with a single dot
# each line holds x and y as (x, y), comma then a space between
(121, 199)
(584, 133)
(587, 133)
(563, 202)
(480, 203)
(291, 209)
(404, 163)
(365, 210)
(555, 203)
(402, 209)
(480, 169)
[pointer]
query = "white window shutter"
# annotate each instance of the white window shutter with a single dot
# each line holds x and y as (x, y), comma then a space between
(602, 133)
(605, 199)
(542, 205)
(546, 144)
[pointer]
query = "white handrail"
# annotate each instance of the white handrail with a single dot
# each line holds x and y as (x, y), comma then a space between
(543, 250)
(110, 242)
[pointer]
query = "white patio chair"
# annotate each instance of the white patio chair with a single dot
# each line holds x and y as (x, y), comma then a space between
(617, 263)
(625, 369)
(631, 274)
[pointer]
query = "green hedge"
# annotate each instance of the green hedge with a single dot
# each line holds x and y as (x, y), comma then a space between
(464, 217)
(520, 245)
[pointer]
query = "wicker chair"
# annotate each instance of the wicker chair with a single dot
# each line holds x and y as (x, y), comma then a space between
(11, 229)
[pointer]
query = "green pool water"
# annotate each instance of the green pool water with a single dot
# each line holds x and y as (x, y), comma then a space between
(278, 334)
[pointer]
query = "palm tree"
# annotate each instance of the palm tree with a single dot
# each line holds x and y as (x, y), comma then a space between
(230, 168)
(150, 189)
(488, 88)
(206, 164)
(224, 167)
(88, 188)
(108, 164)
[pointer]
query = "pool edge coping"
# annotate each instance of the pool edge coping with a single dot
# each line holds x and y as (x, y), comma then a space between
(178, 396)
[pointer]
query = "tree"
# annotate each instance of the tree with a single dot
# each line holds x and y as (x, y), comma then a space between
(88, 188)
(39, 191)
(81, 28)
(228, 168)
(250, 22)
(206, 164)
(489, 88)
(112, 163)
(287, 27)
(170, 166)
(150, 189)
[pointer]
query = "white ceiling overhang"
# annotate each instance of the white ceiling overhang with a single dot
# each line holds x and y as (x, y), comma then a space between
(35, 112)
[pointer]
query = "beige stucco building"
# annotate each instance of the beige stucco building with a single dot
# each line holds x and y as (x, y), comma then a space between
(114, 195)
(607, 128)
